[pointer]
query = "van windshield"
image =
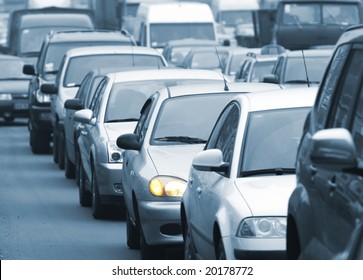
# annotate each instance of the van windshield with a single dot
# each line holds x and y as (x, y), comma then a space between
(235, 17)
(161, 33)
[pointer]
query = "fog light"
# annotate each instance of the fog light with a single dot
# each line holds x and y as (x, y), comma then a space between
(118, 188)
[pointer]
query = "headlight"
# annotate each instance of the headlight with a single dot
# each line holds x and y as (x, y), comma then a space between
(5, 96)
(167, 186)
(114, 153)
(262, 227)
(42, 97)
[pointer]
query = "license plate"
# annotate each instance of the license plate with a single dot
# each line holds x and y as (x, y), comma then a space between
(21, 106)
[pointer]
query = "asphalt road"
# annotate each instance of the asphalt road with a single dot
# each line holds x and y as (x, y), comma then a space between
(40, 216)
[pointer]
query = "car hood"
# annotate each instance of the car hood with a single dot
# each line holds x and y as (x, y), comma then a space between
(14, 86)
(114, 130)
(174, 160)
(267, 195)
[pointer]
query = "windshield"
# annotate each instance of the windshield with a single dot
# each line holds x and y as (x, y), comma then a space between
(233, 18)
(12, 69)
(188, 119)
(315, 67)
(127, 98)
(261, 69)
(272, 139)
(56, 51)
(160, 34)
(78, 67)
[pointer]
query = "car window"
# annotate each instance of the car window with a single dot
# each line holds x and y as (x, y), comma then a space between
(145, 116)
(329, 85)
(357, 127)
(350, 86)
(96, 101)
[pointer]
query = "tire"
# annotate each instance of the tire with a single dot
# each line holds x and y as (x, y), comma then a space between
(97, 208)
(221, 253)
(148, 252)
(189, 253)
(85, 197)
(132, 233)
(69, 167)
(78, 166)
(39, 142)
(292, 241)
(61, 149)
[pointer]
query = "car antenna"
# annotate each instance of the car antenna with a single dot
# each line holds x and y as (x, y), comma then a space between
(127, 34)
(226, 88)
(306, 69)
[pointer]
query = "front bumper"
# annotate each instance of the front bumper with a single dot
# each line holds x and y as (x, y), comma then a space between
(15, 108)
(160, 221)
(40, 118)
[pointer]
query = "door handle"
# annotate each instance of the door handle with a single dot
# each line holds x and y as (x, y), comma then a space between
(199, 190)
(332, 184)
(83, 132)
(313, 170)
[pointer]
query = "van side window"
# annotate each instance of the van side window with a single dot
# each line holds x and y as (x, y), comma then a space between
(329, 84)
(351, 80)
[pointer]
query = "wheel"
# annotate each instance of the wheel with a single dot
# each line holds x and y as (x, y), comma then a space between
(292, 241)
(77, 166)
(132, 233)
(148, 252)
(97, 208)
(61, 149)
(221, 253)
(39, 142)
(69, 167)
(188, 245)
(85, 198)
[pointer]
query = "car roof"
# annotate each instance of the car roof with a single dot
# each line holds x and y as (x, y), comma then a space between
(87, 35)
(353, 34)
(166, 73)
(191, 42)
(9, 57)
(93, 50)
(278, 99)
(217, 87)
(72, 19)
(308, 53)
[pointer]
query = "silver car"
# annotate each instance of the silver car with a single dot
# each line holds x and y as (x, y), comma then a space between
(235, 204)
(175, 124)
(114, 110)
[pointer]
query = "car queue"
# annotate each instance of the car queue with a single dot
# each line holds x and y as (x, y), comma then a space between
(225, 169)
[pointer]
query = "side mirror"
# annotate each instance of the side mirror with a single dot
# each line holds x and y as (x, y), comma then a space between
(85, 116)
(334, 149)
(49, 88)
(73, 104)
(210, 160)
(128, 141)
(270, 78)
(28, 69)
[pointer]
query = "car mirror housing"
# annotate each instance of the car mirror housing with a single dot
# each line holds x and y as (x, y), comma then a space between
(270, 78)
(334, 149)
(49, 88)
(128, 141)
(73, 104)
(210, 160)
(28, 69)
(85, 116)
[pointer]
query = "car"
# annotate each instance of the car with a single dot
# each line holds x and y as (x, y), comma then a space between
(325, 208)
(175, 50)
(174, 125)
(209, 58)
(255, 67)
(27, 31)
(75, 65)
(115, 109)
(13, 88)
(72, 129)
(302, 24)
(300, 67)
(235, 202)
(54, 46)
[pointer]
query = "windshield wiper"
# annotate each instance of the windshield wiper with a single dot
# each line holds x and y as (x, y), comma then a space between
(277, 171)
(182, 139)
(123, 120)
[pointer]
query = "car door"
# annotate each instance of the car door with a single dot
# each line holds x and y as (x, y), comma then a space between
(333, 193)
(208, 188)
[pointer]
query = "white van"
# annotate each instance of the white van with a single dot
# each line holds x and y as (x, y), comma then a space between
(162, 22)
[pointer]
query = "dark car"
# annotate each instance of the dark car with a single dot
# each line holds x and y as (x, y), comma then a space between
(28, 27)
(325, 210)
(52, 51)
(301, 24)
(13, 88)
